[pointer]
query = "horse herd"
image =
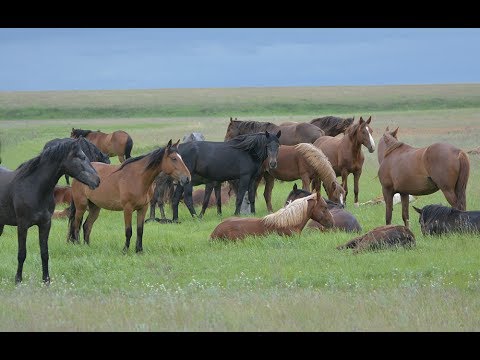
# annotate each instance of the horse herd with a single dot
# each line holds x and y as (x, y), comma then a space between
(316, 152)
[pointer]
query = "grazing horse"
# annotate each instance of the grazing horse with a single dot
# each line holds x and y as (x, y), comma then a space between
(302, 161)
(421, 171)
(126, 187)
(291, 134)
(438, 219)
(90, 150)
(333, 125)
(345, 153)
(380, 238)
(342, 219)
(240, 158)
(117, 143)
(286, 221)
(26, 194)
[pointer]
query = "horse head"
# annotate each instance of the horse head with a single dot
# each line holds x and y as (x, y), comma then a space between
(388, 138)
(364, 134)
(77, 165)
(320, 212)
(173, 164)
(273, 144)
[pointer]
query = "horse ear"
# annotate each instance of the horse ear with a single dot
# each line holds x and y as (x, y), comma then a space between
(295, 186)
(231, 119)
(394, 133)
(369, 119)
(169, 144)
(387, 129)
(417, 209)
(267, 134)
(176, 144)
(279, 133)
(361, 121)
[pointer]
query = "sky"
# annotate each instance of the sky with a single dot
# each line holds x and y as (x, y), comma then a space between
(153, 58)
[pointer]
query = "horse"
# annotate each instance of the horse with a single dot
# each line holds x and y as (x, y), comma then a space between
(291, 134)
(92, 152)
(332, 125)
(342, 219)
(117, 143)
(345, 153)
(126, 187)
(381, 237)
(421, 171)
(239, 158)
(302, 161)
(194, 136)
(62, 194)
(26, 194)
(198, 196)
(288, 220)
(438, 220)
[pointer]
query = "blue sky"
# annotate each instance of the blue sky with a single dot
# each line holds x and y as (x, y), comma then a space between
(152, 58)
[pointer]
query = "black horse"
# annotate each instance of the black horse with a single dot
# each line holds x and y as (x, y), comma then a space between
(92, 152)
(239, 158)
(332, 125)
(438, 219)
(26, 194)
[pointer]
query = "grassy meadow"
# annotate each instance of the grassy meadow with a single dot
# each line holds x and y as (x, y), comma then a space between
(185, 282)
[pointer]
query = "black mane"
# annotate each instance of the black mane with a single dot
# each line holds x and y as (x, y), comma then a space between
(332, 125)
(79, 132)
(253, 143)
(254, 126)
(155, 157)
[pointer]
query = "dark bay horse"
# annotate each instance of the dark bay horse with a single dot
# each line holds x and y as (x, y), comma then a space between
(239, 158)
(117, 143)
(92, 152)
(126, 187)
(291, 134)
(438, 220)
(342, 220)
(288, 220)
(306, 162)
(408, 170)
(345, 153)
(26, 194)
(382, 237)
(333, 125)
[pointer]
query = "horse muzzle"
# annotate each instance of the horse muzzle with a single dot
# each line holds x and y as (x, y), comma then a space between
(371, 149)
(272, 164)
(94, 181)
(184, 180)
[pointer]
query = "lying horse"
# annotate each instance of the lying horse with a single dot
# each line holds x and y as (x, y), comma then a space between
(438, 219)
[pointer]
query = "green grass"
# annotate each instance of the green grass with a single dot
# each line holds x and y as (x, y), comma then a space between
(185, 282)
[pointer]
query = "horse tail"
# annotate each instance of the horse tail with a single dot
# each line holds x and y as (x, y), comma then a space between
(461, 185)
(128, 147)
(351, 244)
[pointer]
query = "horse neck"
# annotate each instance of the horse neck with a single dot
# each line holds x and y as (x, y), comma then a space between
(46, 176)
(353, 144)
(147, 176)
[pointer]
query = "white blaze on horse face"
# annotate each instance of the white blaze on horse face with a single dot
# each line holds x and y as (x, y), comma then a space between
(180, 156)
(372, 143)
(341, 199)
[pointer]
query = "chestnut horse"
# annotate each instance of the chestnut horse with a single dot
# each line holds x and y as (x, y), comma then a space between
(115, 143)
(126, 187)
(291, 134)
(345, 153)
(408, 170)
(302, 161)
(286, 221)
(62, 194)
(342, 220)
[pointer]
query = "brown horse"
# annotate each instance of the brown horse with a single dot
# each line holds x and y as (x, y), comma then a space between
(226, 192)
(62, 194)
(345, 153)
(286, 221)
(291, 134)
(380, 238)
(342, 220)
(303, 161)
(115, 143)
(333, 125)
(408, 170)
(126, 187)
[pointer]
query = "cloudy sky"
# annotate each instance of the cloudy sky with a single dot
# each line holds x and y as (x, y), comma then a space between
(152, 58)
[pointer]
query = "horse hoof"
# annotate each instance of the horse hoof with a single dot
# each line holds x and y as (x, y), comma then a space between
(46, 281)
(356, 204)
(139, 251)
(18, 280)
(150, 219)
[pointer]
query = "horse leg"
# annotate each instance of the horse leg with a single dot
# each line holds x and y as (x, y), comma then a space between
(267, 192)
(43, 232)
(356, 179)
(67, 179)
(405, 203)
(1, 229)
(388, 197)
(22, 250)
(93, 212)
(206, 198)
(175, 201)
(78, 222)
(187, 198)
(251, 195)
(450, 196)
(153, 204)
(344, 183)
(305, 182)
(127, 217)
(140, 218)
(242, 188)
(218, 196)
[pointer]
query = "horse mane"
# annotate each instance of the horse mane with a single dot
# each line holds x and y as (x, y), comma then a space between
(350, 130)
(291, 215)
(54, 153)
(319, 161)
(251, 126)
(394, 144)
(332, 123)
(252, 143)
(79, 132)
(155, 157)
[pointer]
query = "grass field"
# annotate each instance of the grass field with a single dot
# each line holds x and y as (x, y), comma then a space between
(184, 282)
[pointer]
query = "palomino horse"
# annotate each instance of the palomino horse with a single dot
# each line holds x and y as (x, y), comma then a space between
(117, 143)
(303, 161)
(342, 220)
(421, 171)
(286, 221)
(438, 219)
(333, 125)
(291, 134)
(345, 153)
(26, 194)
(126, 187)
